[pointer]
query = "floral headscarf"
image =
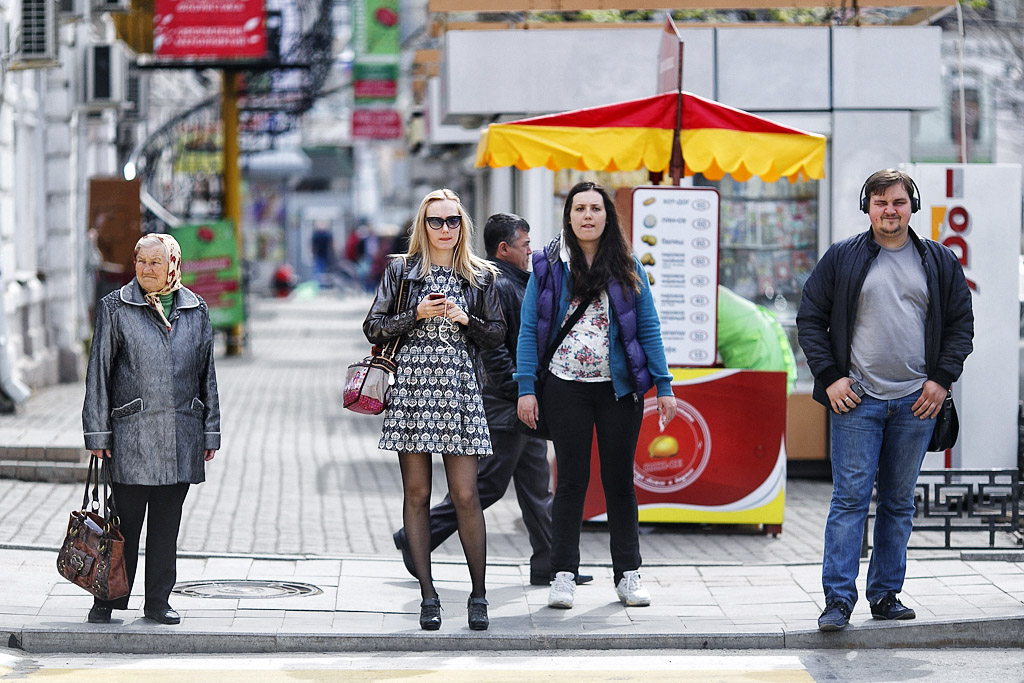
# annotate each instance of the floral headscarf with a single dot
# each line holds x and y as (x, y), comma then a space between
(173, 254)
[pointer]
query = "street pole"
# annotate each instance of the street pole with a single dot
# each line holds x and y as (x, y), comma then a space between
(232, 187)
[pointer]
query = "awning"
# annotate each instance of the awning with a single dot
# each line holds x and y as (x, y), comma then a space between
(715, 139)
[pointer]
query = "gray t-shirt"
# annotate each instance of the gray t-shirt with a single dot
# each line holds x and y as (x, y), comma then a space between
(887, 356)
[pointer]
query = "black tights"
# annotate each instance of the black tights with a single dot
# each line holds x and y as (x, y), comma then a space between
(460, 470)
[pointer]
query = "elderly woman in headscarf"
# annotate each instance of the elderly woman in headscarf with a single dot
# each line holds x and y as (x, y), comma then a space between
(152, 411)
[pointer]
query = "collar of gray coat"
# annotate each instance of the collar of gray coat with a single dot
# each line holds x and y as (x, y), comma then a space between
(132, 294)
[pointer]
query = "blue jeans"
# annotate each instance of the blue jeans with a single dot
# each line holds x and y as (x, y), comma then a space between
(883, 439)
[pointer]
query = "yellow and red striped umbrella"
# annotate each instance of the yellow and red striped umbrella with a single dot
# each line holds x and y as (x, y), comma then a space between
(715, 139)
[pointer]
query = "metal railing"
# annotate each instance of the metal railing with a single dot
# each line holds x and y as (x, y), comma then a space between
(973, 504)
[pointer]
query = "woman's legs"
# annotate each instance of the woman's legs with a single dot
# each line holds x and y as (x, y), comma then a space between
(618, 427)
(416, 481)
(162, 524)
(461, 473)
(569, 412)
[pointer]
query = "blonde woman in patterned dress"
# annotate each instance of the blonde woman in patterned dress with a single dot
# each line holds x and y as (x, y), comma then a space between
(452, 313)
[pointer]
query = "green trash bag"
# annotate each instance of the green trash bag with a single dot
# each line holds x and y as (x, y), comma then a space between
(749, 336)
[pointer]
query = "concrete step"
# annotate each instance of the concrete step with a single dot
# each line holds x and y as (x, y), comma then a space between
(55, 472)
(51, 452)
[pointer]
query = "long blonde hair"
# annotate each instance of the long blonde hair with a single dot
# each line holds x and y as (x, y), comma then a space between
(468, 265)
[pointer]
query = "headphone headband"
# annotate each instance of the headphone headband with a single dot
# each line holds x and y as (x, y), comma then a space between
(915, 196)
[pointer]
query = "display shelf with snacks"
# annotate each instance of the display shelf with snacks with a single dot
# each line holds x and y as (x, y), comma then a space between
(769, 245)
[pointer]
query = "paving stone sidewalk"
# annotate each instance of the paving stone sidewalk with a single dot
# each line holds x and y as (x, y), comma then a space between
(300, 493)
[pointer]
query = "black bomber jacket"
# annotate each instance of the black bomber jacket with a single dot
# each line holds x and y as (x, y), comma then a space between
(486, 329)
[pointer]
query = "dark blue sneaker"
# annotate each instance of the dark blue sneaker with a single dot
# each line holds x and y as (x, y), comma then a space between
(835, 617)
(891, 609)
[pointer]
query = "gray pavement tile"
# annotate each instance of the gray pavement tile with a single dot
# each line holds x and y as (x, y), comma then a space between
(358, 622)
(320, 568)
(257, 625)
(207, 613)
(992, 600)
(996, 568)
(1011, 583)
(271, 570)
(924, 586)
(734, 595)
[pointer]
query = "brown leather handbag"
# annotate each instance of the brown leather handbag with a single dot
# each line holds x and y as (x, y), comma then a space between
(92, 555)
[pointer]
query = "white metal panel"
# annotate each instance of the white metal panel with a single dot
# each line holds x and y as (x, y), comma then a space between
(492, 73)
(774, 68)
(974, 209)
(863, 142)
(887, 67)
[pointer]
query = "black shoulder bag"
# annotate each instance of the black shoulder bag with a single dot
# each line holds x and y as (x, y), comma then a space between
(542, 432)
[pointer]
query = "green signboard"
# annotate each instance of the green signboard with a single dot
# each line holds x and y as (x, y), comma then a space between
(376, 25)
(210, 268)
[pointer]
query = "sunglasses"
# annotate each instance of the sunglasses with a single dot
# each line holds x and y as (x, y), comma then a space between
(436, 222)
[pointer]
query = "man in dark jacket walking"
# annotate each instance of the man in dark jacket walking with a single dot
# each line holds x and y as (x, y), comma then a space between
(886, 323)
(517, 457)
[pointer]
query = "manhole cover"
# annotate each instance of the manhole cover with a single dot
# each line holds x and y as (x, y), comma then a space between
(244, 588)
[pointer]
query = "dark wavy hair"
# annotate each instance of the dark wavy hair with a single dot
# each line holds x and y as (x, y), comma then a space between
(614, 259)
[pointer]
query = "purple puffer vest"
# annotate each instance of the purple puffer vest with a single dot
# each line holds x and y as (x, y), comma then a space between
(547, 268)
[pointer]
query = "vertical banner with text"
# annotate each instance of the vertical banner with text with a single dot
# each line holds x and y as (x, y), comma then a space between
(210, 268)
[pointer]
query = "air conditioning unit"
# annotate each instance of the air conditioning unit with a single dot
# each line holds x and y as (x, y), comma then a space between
(99, 6)
(136, 96)
(105, 73)
(35, 43)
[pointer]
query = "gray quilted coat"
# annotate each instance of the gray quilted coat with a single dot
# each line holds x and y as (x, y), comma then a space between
(150, 394)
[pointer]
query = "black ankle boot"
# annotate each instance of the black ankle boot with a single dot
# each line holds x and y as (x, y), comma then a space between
(478, 620)
(430, 614)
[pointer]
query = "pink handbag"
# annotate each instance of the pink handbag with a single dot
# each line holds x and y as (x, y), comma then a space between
(368, 382)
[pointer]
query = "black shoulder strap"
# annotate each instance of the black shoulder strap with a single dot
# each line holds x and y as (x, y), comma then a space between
(572, 320)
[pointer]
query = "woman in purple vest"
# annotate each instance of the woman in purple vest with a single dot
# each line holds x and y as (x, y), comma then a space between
(597, 377)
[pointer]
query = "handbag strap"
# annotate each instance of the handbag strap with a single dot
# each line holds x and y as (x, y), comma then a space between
(389, 350)
(109, 503)
(572, 320)
(91, 480)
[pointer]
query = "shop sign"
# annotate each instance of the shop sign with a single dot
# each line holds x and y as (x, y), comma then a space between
(375, 81)
(675, 235)
(209, 267)
(210, 29)
(376, 124)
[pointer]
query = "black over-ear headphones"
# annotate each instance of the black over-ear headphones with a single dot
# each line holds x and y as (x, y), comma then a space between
(915, 197)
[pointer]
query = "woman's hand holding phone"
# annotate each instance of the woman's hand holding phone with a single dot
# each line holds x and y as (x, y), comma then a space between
(433, 305)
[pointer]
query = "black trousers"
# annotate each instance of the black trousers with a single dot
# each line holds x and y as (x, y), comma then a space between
(523, 460)
(164, 505)
(572, 411)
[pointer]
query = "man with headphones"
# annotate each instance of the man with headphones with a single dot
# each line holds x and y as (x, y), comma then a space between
(885, 321)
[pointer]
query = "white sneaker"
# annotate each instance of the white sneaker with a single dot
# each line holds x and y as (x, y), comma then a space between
(631, 590)
(563, 591)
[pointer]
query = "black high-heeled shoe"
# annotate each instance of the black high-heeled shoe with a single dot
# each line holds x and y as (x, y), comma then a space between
(430, 614)
(477, 608)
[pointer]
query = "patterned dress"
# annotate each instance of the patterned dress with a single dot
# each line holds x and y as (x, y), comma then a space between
(435, 405)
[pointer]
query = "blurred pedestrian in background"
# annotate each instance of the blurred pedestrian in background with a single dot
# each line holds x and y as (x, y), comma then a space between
(597, 377)
(436, 407)
(151, 408)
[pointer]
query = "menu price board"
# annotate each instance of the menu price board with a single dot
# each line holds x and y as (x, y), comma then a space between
(675, 235)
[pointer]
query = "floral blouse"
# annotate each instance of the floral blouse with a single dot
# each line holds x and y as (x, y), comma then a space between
(583, 354)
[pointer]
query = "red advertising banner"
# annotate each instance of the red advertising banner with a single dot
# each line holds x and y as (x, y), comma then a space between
(210, 29)
(715, 462)
(376, 124)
